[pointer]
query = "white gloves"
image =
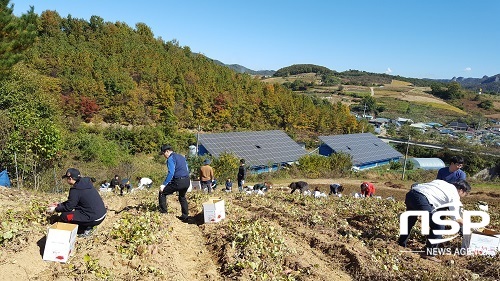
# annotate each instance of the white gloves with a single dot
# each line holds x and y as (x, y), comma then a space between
(52, 207)
(162, 187)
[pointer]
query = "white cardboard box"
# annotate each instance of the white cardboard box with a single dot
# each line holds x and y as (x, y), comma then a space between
(195, 185)
(486, 242)
(60, 243)
(214, 210)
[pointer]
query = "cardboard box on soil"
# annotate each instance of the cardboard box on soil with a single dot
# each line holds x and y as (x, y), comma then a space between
(60, 243)
(214, 210)
(486, 242)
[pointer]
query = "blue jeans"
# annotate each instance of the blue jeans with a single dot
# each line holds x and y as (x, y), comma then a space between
(416, 201)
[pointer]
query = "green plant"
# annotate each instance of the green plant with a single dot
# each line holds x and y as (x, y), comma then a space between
(92, 266)
(135, 230)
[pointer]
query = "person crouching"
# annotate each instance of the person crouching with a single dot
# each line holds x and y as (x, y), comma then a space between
(84, 206)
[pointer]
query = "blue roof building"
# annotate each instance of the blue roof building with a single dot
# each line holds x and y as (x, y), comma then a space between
(366, 150)
(263, 151)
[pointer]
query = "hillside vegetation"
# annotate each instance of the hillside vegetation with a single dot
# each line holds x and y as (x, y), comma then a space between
(437, 98)
(98, 91)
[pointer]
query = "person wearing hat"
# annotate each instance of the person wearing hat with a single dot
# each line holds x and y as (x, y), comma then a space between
(84, 206)
(206, 176)
(177, 180)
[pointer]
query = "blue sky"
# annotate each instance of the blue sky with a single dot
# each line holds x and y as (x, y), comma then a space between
(411, 38)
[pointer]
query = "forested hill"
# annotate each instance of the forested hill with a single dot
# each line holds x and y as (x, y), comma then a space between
(486, 84)
(101, 71)
(347, 77)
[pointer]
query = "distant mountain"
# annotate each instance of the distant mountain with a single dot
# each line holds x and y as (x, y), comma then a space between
(241, 69)
(487, 84)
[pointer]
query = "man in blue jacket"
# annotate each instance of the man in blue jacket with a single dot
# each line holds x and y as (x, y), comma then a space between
(84, 206)
(453, 173)
(177, 180)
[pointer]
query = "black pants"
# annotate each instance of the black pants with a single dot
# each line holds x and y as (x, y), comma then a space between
(180, 186)
(67, 217)
(207, 185)
(416, 201)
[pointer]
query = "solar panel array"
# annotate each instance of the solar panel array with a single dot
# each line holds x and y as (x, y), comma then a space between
(364, 148)
(256, 147)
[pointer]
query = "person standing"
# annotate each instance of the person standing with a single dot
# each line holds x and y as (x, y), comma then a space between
(454, 172)
(429, 197)
(206, 176)
(241, 175)
(177, 180)
(84, 206)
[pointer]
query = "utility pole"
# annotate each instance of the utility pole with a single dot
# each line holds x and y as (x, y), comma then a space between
(198, 140)
(364, 111)
(406, 157)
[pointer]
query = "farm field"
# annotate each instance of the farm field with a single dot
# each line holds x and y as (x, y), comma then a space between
(279, 236)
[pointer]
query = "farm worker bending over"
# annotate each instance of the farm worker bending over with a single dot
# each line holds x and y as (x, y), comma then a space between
(262, 186)
(300, 185)
(336, 188)
(453, 173)
(367, 189)
(84, 205)
(177, 180)
(144, 182)
(429, 197)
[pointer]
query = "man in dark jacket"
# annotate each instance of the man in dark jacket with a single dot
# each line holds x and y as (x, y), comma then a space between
(300, 185)
(115, 184)
(84, 206)
(241, 175)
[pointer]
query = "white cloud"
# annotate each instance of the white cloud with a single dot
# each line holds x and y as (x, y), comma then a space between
(467, 69)
(388, 71)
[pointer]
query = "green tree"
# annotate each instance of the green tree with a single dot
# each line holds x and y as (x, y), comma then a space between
(16, 35)
(368, 104)
(454, 91)
(27, 98)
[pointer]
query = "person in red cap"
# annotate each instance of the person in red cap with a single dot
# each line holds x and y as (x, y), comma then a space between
(367, 189)
(84, 206)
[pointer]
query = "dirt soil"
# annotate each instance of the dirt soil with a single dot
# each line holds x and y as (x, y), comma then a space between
(311, 239)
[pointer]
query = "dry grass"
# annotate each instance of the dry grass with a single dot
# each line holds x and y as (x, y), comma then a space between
(400, 83)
